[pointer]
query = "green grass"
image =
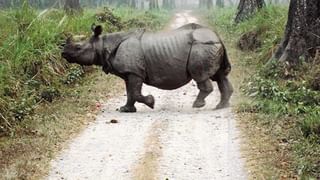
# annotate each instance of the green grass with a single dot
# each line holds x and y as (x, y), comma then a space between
(284, 102)
(44, 100)
(31, 68)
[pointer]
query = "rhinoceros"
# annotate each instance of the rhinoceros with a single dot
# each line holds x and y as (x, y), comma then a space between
(166, 60)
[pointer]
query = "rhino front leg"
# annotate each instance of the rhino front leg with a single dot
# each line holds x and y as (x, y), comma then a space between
(205, 88)
(134, 86)
(129, 107)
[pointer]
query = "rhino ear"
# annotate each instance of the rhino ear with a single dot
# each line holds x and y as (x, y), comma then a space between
(69, 40)
(97, 30)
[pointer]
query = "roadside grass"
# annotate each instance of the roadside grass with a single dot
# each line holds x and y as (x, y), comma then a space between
(278, 107)
(27, 154)
(44, 101)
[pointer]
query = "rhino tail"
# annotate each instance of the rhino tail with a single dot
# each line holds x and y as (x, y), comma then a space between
(225, 64)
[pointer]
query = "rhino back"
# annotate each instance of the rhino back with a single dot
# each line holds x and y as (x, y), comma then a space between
(166, 58)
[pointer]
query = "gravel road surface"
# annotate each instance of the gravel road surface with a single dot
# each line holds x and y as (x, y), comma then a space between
(173, 141)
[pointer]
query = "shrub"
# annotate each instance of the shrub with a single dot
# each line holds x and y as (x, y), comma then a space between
(286, 97)
(31, 69)
(310, 125)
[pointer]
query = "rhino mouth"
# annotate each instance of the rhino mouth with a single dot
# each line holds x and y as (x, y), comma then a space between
(64, 55)
(68, 57)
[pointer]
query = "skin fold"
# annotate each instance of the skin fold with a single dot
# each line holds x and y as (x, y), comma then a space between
(166, 60)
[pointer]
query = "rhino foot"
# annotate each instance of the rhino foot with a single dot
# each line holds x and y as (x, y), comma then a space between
(127, 109)
(150, 101)
(199, 104)
(222, 105)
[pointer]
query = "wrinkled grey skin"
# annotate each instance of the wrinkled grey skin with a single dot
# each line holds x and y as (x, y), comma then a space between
(163, 60)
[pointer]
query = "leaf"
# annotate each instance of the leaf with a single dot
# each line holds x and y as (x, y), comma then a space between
(254, 94)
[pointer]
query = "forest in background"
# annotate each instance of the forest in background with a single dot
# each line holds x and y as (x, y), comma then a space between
(141, 4)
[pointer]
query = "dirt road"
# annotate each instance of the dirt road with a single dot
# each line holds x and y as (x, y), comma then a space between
(173, 141)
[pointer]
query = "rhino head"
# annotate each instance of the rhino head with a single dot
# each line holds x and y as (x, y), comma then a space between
(98, 50)
(85, 52)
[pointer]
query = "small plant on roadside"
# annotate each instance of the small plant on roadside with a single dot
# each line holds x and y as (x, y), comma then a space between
(75, 73)
(284, 99)
(310, 124)
(20, 109)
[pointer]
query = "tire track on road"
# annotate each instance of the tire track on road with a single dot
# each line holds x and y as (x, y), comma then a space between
(172, 141)
(147, 167)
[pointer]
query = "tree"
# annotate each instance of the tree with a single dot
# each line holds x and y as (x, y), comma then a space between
(169, 4)
(72, 5)
(230, 2)
(60, 3)
(206, 4)
(302, 34)
(132, 3)
(248, 7)
(154, 4)
(5, 3)
(220, 3)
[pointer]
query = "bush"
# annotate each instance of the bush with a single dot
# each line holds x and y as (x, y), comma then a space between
(286, 97)
(310, 125)
(111, 21)
(31, 69)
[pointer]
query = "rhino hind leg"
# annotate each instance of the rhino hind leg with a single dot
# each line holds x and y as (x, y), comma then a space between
(133, 87)
(205, 88)
(225, 89)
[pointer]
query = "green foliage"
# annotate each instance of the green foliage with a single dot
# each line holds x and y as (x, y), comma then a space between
(310, 126)
(222, 18)
(74, 75)
(269, 23)
(277, 90)
(142, 19)
(109, 19)
(31, 69)
(152, 20)
(288, 93)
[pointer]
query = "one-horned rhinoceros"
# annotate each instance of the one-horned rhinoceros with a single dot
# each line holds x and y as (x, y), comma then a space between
(166, 60)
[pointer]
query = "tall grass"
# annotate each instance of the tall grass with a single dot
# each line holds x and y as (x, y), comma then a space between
(31, 69)
(278, 92)
(268, 22)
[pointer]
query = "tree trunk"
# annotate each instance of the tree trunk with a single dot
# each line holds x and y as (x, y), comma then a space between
(206, 4)
(169, 4)
(4, 4)
(72, 6)
(220, 3)
(60, 3)
(154, 4)
(209, 4)
(230, 2)
(248, 7)
(132, 3)
(165, 4)
(302, 34)
(201, 4)
(142, 4)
